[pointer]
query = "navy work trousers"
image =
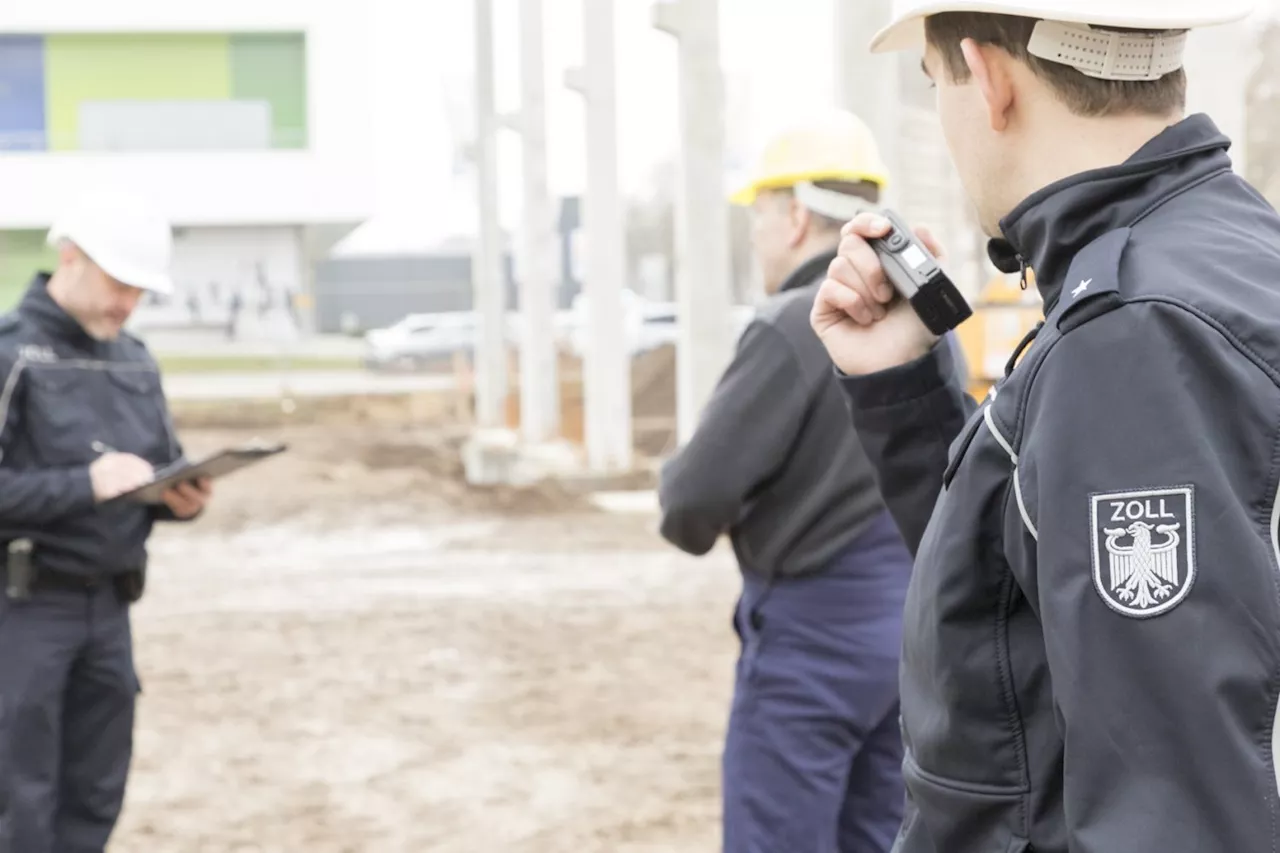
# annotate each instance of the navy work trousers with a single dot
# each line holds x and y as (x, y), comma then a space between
(813, 757)
(68, 689)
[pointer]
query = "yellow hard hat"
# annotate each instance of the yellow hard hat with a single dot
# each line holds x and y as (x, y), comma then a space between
(834, 146)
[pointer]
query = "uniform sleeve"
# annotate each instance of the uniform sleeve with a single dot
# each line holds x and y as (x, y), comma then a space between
(33, 496)
(746, 432)
(906, 419)
(1141, 530)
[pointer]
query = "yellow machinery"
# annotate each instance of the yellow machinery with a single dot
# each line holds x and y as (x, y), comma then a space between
(1002, 315)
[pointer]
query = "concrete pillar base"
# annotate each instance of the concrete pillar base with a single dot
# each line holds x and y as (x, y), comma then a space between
(496, 457)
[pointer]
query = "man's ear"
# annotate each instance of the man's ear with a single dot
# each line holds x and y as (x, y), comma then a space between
(799, 219)
(989, 67)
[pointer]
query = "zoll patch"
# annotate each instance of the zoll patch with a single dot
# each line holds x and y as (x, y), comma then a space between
(1144, 556)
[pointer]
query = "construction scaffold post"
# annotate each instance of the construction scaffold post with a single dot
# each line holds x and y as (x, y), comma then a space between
(487, 273)
(539, 375)
(607, 361)
(703, 268)
(878, 103)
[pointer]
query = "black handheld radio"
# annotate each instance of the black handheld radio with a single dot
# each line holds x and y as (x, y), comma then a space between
(915, 273)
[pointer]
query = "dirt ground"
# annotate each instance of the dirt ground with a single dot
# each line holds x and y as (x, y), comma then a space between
(354, 651)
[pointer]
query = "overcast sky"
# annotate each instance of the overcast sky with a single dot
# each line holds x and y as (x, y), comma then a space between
(780, 52)
(423, 67)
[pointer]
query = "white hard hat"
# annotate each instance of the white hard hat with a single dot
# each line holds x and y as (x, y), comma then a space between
(1065, 35)
(129, 240)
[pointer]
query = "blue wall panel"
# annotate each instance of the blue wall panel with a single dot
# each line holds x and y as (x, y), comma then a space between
(22, 110)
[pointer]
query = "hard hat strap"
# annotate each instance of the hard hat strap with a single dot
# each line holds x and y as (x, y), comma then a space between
(1107, 54)
(829, 203)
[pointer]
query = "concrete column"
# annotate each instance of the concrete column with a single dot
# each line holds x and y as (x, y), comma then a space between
(487, 274)
(868, 84)
(607, 367)
(1219, 62)
(539, 384)
(703, 287)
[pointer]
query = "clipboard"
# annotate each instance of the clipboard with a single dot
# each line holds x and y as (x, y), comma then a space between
(213, 466)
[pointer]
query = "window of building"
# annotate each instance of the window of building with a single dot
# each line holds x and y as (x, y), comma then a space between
(153, 92)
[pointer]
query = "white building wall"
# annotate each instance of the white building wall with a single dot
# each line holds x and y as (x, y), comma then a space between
(329, 183)
(261, 270)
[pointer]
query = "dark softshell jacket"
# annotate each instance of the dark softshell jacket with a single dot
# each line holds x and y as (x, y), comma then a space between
(65, 400)
(773, 462)
(1092, 633)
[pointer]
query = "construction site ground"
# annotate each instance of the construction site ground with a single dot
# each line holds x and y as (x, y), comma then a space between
(356, 651)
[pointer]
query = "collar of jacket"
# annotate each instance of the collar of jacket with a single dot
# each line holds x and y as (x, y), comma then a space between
(1047, 229)
(39, 306)
(811, 270)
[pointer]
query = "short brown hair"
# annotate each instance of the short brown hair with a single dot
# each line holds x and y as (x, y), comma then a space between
(1083, 95)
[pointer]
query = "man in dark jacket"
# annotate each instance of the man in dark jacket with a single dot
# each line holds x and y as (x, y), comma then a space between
(83, 420)
(1092, 633)
(812, 757)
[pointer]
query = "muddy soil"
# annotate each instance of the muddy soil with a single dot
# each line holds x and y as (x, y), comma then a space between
(339, 474)
(355, 651)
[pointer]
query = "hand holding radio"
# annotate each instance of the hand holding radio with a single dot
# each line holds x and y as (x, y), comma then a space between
(886, 300)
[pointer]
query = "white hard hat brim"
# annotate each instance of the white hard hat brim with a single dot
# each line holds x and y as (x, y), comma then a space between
(906, 31)
(159, 283)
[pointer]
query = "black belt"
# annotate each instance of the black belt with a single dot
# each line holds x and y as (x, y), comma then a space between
(24, 573)
(51, 579)
(126, 585)
(44, 578)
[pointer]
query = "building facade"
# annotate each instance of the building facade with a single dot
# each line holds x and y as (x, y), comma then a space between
(246, 121)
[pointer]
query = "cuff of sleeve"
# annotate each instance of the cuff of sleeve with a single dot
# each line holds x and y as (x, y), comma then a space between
(80, 485)
(906, 383)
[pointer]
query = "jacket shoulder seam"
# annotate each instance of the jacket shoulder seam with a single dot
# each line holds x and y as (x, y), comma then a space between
(1208, 320)
(1217, 325)
(1023, 397)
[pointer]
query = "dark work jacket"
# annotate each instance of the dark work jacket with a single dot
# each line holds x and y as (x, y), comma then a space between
(1092, 632)
(773, 462)
(65, 399)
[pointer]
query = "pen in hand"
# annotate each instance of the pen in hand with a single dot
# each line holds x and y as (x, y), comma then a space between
(114, 473)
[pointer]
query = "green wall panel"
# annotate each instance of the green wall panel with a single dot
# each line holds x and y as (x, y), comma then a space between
(272, 67)
(129, 67)
(22, 255)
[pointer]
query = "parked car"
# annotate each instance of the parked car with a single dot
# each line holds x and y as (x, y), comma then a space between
(420, 340)
(658, 326)
(423, 340)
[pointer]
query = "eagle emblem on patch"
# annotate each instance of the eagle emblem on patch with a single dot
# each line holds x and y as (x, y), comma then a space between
(1144, 554)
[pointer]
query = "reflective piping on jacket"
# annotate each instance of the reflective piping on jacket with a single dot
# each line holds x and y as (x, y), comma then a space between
(1275, 722)
(1022, 506)
(6, 398)
(11, 384)
(93, 364)
(991, 425)
(1017, 482)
